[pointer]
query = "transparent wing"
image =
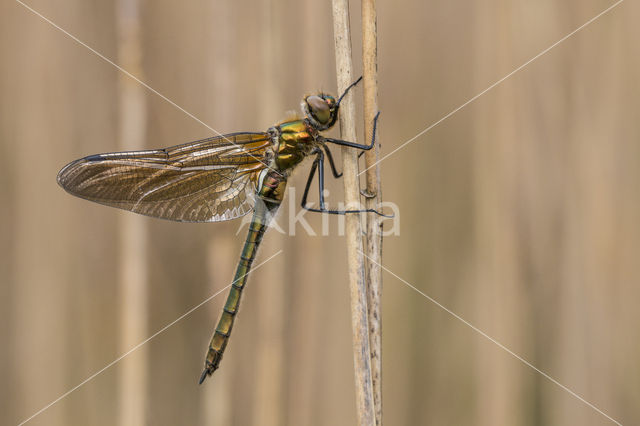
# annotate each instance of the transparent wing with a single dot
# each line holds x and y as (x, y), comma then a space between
(203, 181)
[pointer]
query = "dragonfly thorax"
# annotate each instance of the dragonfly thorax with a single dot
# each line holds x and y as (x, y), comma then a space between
(293, 141)
(321, 110)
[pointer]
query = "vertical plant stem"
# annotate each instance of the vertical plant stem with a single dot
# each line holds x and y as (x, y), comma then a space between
(373, 239)
(270, 314)
(219, 64)
(132, 228)
(359, 320)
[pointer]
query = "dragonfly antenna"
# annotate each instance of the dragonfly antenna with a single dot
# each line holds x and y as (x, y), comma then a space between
(347, 90)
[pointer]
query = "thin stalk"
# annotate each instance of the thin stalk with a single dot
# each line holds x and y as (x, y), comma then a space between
(223, 78)
(359, 315)
(269, 344)
(133, 247)
(373, 236)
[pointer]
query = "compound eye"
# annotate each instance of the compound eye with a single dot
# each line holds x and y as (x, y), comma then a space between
(319, 109)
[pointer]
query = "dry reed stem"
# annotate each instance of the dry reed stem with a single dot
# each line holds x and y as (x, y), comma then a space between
(359, 320)
(373, 237)
(133, 248)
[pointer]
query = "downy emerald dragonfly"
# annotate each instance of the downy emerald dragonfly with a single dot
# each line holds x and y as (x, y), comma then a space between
(216, 179)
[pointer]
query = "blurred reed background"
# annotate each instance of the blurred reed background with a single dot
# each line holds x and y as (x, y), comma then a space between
(520, 213)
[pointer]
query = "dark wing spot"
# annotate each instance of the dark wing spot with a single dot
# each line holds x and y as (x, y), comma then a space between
(95, 157)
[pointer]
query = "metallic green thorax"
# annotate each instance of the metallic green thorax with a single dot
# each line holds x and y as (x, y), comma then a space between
(295, 141)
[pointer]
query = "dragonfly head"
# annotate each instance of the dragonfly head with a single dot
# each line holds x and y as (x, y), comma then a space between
(321, 110)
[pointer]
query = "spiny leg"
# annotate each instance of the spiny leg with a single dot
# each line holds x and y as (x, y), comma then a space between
(334, 170)
(354, 144)
(318, 163)
(312, 173)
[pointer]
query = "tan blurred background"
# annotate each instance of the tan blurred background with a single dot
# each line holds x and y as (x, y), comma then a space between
(520, 213)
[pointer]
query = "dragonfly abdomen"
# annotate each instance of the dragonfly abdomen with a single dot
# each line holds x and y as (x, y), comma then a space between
(220, 338)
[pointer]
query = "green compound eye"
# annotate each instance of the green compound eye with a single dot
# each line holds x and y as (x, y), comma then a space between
(319, 108)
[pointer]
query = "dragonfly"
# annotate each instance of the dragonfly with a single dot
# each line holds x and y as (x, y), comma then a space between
(216, 179)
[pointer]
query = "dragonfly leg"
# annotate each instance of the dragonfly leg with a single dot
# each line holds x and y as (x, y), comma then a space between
(354, 144)
(318, 164)
(312, 173)
(332, 163)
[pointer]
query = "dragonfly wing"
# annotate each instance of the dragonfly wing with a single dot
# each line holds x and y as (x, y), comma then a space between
(204, 181)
